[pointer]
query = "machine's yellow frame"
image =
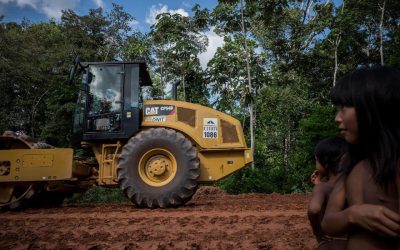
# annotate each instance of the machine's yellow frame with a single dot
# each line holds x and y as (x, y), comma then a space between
(37, 164)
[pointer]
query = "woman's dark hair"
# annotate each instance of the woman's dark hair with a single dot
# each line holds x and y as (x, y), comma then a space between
(374, 92)
(329, 153)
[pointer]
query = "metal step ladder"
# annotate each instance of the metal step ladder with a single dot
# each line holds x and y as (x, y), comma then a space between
(108, 165)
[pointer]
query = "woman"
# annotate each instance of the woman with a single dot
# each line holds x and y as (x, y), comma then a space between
(364, 202)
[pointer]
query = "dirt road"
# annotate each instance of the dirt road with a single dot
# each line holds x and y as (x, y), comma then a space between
(211, 220)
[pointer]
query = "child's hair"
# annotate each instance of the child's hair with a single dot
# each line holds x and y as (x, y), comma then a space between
(330, 151)
(374, 92)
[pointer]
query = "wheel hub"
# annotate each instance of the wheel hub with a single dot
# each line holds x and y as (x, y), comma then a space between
(157, 167)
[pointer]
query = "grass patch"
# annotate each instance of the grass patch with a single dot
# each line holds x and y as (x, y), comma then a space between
(99, 195)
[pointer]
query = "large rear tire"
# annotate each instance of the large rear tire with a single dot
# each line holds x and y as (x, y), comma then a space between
(158, 167)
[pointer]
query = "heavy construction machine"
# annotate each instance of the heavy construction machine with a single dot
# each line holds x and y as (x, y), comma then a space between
(156, 151)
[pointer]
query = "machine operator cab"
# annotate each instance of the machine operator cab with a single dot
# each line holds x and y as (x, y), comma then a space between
(110, 99)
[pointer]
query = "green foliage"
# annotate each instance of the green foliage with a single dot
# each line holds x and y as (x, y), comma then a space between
(265, 180)
(99, 195)
(273, 173)
(317, 125)
(138, 45)
(292, 109)
(227, 75)
(196, 88)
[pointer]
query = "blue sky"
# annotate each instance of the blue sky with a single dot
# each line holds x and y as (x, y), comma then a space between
(143, 10)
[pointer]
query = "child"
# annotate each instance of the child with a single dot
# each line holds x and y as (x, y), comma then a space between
(328, 154)
(364, 203)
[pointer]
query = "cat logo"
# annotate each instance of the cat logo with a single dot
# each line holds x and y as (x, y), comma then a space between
(151, 110)
(158, 110)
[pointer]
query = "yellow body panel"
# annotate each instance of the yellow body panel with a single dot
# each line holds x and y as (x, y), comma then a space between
(156, 118)
(216, 164)
(36, 164)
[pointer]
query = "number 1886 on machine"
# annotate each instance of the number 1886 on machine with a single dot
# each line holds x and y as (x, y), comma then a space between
(210, 132)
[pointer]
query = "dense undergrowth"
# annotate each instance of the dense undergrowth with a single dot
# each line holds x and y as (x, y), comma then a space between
(99, 195)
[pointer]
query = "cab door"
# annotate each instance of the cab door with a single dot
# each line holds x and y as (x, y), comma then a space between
(105, 99)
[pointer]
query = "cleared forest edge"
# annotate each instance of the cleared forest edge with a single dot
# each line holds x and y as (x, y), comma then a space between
(212, 220)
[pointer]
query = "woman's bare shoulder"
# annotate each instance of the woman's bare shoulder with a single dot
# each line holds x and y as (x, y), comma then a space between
(361, 167)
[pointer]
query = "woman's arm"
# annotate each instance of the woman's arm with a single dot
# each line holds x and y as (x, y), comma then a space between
(338, 220)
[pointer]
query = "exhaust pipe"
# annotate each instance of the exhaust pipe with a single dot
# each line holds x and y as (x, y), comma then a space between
(74, 68)
(174, 90)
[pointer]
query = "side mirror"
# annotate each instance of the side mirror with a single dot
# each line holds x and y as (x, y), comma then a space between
(174, 90)
(87, 77)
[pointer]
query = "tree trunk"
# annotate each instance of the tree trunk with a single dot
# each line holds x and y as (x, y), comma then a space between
(162, 77)
(183, 87)
(249, 82)
(381, 32)
(287, 143)
(337, 42)
(305, 10)
(33, 113)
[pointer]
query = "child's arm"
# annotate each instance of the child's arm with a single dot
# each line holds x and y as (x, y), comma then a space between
(338, 220)
(314, 209)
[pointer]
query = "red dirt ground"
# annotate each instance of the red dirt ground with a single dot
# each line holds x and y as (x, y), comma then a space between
(211, 220)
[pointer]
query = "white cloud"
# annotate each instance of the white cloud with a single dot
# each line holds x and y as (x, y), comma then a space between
(133, 24)
(53, 8)
(159, 9)
(99, 3)
(50, 8)
(22, 3)
(214, 42)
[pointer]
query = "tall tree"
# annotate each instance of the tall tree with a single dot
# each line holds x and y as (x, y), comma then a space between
(117, 32)
(137, 45)
(227, 74)
(86, 35)
(178, 41)
(235, 20)
(32, 61)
